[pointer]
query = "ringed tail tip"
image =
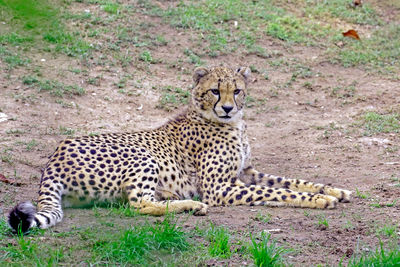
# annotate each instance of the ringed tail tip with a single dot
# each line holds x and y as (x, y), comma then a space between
(21, 216)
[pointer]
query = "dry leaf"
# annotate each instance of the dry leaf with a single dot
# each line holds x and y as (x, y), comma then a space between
(352, 34)
(4, 179)
(7, 181)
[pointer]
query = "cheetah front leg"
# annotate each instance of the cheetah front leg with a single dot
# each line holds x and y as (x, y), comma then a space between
(141, 188)
(157, 208)
(258, 178)
(143, 198)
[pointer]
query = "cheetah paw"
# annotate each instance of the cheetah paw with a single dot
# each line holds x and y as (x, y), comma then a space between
(341, 194)
(345, 196)
(200, 209)
(326, 202)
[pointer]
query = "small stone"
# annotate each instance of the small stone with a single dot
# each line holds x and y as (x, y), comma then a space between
(3, 117)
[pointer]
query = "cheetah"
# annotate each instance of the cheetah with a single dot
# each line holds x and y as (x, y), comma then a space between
(203, 152)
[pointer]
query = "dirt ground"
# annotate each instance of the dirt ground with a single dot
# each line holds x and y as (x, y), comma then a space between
(303, 130)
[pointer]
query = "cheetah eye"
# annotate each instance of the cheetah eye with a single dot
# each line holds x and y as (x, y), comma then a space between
(237, 91)
(214, 91)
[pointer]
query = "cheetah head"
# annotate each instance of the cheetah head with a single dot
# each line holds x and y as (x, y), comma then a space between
(219, 93)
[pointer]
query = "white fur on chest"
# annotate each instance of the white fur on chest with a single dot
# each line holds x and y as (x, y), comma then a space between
(244, 146)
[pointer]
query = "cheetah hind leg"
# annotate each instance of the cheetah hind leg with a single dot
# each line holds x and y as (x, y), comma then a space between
(258, 178)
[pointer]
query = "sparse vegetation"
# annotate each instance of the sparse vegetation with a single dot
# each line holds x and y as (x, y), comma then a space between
(173, 97)
(265, 218)
(381, 123)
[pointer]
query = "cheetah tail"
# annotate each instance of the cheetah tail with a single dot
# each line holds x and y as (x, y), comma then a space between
(22, 216)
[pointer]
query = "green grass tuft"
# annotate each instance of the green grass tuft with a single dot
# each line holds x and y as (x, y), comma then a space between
(219, 242)
(146, 57)
(111, 8)
(35, 15)
(266, 252)
(377, 123)
(137, 245)
(29, 252)
(380, 257)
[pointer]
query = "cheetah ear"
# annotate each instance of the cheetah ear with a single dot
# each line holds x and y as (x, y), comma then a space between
(246, 72)
(199, 73)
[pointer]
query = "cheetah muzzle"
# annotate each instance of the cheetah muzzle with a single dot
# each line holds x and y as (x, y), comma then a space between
(202, 153)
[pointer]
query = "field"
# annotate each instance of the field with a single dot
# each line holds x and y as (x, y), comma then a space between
(322, 107)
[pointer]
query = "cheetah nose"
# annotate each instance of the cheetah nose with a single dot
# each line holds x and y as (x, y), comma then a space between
(227, 109)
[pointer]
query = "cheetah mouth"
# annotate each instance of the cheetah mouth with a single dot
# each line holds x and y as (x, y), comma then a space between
(225, 117)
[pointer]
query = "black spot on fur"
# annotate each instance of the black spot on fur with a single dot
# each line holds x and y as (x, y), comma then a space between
(286, 184)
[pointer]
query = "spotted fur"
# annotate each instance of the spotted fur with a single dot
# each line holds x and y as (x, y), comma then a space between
(203, 152)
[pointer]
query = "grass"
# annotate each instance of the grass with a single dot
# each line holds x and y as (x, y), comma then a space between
(146, 56)
(111, 8)
(124, 209)
(4, 228)
(137, 245)
(15, 39)
(342, 9)
(144, 243)
(66, 131)
(34, 22)
(29, 146)
(229, 25)
(380, 123)
(265, 218)
(70, 44)
(6, 156)
(361, 195)
(28, 252)
(106, 41)
(173, 97)
(216, 20)
(219, 242)
(323, 221)
(380, 52)
(193, 58)
(33, 15)
(266, 252)
(12, 59)
(343, 92)
(380, 257)
(388, 230)
(55, 88)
